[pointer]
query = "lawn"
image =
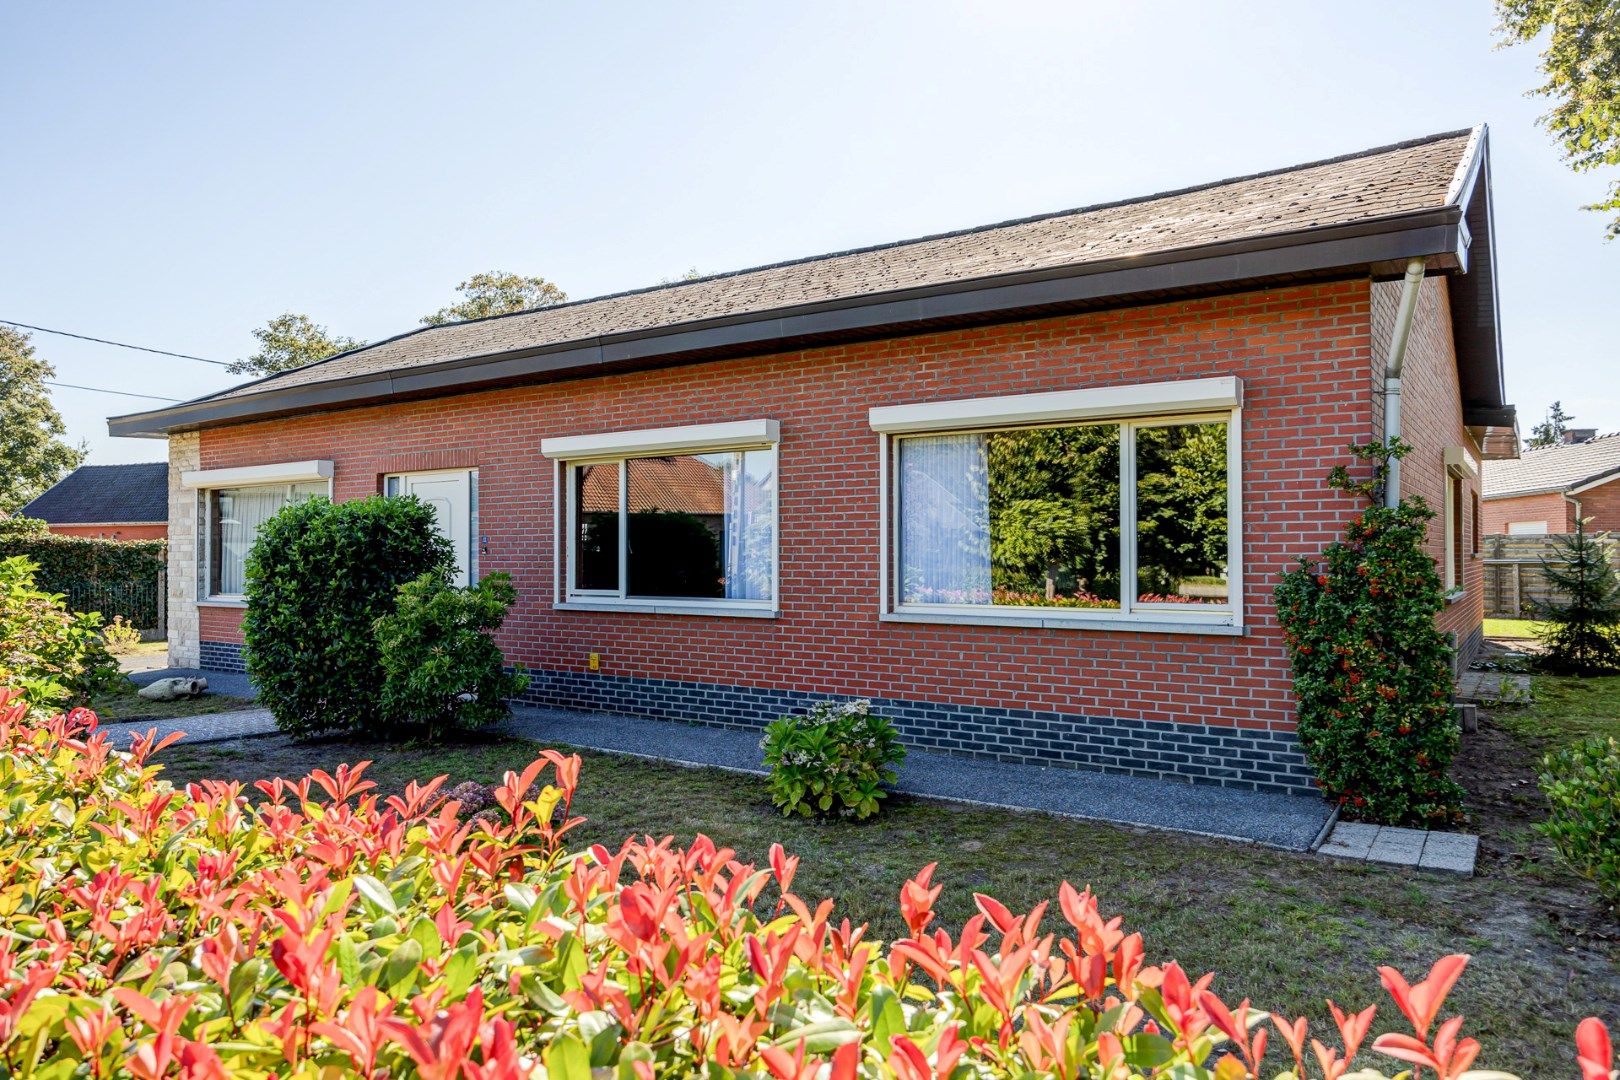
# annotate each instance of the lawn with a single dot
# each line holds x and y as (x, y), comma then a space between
(1511, 629)
(1285, 929)
(1566, 710)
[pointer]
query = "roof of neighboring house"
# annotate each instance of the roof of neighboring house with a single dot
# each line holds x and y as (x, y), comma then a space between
(1553, 468)
(684, 484)
(106, 495)
(1368, 212)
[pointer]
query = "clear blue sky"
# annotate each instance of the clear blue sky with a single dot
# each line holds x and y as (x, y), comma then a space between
(176, 174)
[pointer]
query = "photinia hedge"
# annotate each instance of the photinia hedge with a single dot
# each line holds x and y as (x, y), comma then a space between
(114, 577)
(322, 931)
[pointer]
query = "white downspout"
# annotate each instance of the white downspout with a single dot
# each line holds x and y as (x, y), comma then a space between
(1392, 372)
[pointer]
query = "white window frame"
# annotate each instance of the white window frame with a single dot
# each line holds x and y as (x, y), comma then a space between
(1129, 409)
(569, 453)
(1460, 467)
(205, 548)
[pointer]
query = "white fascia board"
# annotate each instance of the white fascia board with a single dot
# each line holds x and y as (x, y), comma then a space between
(1098, 403)
(1461, 462)
(1595, 482)
(286, 472)
(694, 437)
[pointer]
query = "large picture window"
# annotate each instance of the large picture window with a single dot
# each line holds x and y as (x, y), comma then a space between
(234, 517)
(1117, 519)
(678, 531)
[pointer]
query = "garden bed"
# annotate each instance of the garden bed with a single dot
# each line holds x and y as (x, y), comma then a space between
(1287, 929)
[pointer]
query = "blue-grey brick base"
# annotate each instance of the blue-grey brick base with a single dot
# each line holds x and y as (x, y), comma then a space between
(220, 656)
(1232, 757)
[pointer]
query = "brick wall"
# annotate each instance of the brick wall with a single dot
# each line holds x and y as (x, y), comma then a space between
(1305, 353)
(1431, 421)
(113, 532)
(1550, 507)
(1601, 505)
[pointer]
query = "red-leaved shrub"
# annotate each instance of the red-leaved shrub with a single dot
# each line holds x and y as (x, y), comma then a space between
(323, 931)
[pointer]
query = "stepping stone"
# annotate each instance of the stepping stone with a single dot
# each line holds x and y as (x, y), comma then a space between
(1349, 840)
(1398, 847)
(1450, 853)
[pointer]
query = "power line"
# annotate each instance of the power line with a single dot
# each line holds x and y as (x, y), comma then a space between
(119, 344)
(100, 390)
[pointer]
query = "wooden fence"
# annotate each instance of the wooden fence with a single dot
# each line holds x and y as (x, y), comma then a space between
(1514, 579)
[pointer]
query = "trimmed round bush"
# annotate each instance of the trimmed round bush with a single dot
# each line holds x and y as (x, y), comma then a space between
(319, 577)
(442, 671)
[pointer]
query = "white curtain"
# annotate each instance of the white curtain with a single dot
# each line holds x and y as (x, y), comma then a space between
(944, 520)
(749, 546)
(241, 512)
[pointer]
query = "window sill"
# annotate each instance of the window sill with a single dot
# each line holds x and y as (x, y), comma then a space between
(632, 607)
(1134, 625)
(223, 602)
(1455, 595)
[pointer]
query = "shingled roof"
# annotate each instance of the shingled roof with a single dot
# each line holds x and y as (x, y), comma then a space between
(1553, 468)
(1369, 210)
(106, 495)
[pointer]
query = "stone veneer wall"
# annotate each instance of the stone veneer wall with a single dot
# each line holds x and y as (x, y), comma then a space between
(185, 453)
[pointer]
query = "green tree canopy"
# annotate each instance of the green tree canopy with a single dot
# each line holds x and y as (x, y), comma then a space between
(33, 454)
(497, 293)
(1581, 64)
(290, 340)
(1550, 432)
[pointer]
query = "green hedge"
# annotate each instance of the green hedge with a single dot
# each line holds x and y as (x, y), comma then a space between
(114, 577)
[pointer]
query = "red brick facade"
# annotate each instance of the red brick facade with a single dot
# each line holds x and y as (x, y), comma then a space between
(1308, 358)
(1550, 507)
(113, 532)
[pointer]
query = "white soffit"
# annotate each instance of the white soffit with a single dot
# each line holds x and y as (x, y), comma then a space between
(1141, 399)
(286, 472)
(692, 437)
(1461, 462)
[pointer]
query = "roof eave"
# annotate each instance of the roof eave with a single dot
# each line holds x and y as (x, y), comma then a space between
(1380, 246)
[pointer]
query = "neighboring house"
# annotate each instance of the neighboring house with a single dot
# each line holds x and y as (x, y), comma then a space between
(113, 502)
(1545, 490)
(1028, 486)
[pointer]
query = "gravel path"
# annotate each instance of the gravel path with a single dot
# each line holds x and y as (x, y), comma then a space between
(1290, 822)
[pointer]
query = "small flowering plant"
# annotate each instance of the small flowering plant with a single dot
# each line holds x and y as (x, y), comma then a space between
(834, 760)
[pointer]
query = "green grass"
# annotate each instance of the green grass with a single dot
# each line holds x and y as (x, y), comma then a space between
(123, 707)
(1287, 930)
(1565, 710)
(1511, 629)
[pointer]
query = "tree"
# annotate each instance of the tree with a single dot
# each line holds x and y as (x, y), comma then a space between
(33, 455)
(1550, 432)
(1581, 629)
(288, 341)
(497, 293)
(1581, 64)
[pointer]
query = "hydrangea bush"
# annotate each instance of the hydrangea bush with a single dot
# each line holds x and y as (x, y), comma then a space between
(834, 760)
(322, 931)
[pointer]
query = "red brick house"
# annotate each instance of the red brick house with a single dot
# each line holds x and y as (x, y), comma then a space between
(1545, 490)
(108, 502)
(1028, 486)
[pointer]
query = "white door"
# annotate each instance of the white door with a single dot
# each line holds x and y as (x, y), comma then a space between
(450, 495)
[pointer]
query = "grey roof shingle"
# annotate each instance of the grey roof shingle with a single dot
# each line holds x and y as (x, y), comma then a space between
(106, 495)
(1382, 183)
(1552, 468)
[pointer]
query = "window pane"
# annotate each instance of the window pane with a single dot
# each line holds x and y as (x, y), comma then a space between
(1054, 516)
(944, 520)
(1181, 544)
(1015, 518)
(237, 514)
(596, 514)
(308, 490)
(700, 525)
